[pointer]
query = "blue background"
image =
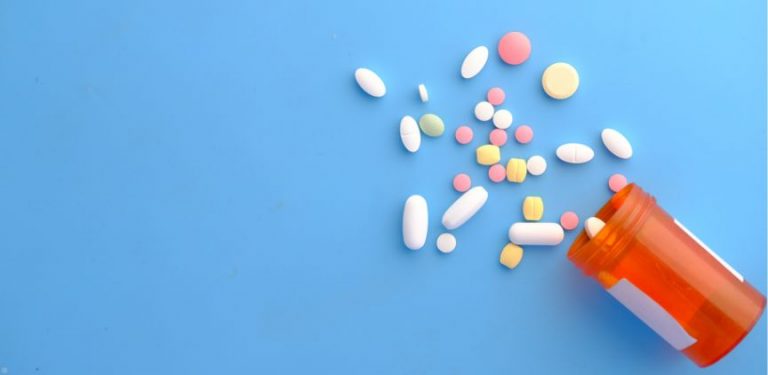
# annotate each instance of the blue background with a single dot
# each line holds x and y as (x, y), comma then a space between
(196, 187)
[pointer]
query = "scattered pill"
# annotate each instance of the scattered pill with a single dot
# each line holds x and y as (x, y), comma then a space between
(569, 220)
(536, 165)
(514, 48)
(446, 243)
(560, 80)
(423, 94)
(484, 111)
(523, 134)
(496, 96)
(616, 143)
(574, 153)
(462, 182)
(488, 154)
(465, 207)
(516, 170)
(593, 226)
(474, 62)
(370, 82)
(536, 234)
(497, 173)
(533, 208)
(431, 125)
(464, 134)
(415, 222)
(498, 137)
(511, 255)
(410, 134)
(617, 182)
(502, 119)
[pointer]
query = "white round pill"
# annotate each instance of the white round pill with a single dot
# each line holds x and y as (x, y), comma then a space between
(502, 119)
(446, 243)
(536, 165)
(484, 111)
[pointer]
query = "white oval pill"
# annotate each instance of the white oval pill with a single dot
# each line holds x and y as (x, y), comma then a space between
(536, 165)
(370, 82)
(484, 111)
(616, 143)
(415, 221)
(502, 119)
(575, 153)
(423, 94)
(593, 226)
(410, 133)
(465, 207)
(446, 243)
(474, 62)
(549, 234)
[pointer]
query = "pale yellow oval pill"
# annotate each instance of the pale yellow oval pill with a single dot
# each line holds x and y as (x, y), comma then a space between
(533, 208)
(488, 155)
(560, 80)
(516, 170)
(511, 255)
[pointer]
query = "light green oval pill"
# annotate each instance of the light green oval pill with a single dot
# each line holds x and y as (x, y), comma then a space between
(432, 125)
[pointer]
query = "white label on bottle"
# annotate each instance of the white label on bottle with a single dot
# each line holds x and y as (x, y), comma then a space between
(652, 314)
(717, 257)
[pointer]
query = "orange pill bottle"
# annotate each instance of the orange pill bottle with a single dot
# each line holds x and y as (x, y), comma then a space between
(668, 278)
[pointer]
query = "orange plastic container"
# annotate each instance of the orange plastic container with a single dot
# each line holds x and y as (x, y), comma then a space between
(666, 276)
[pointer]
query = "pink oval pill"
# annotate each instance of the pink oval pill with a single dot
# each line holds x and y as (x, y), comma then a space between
(569, 220)
(497, 173)
(524, 134)
(496, 96)
(498, 137)
(514, 48)
(462, 182)
(464, 134)
(617, 182)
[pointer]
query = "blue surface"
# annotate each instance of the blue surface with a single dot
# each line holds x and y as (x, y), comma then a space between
(200, 188)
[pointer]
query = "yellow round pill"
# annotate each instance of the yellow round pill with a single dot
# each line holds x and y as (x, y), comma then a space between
(560, 80)
(511, 255)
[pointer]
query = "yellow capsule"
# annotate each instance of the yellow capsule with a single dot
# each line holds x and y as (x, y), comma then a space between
(516, 170)
(488, 155)
(511, 255)
(533, 208)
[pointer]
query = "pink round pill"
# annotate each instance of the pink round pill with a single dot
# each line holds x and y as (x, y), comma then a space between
(498, 137)
(496, 96)
(569, 220)
(524, 134)
(462, 182)
(617, 182)
(497, 173)
(514, 48)
(464, 134)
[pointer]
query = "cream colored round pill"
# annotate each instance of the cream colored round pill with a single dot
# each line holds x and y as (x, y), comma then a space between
(560, 80)
(446, 243)
(484, 111)
(536, 165)
(502, 119)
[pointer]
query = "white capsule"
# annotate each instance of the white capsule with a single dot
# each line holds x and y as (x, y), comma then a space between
(502, 119)
(474, 62)
(538, 233)
(423, 94)
(593, 226)
(446, 243)
(410, 134)
(484, 111)
(370, 82)
(575, 153)
(415, 222)
(536, 165)
(465, 207)
(616, 143)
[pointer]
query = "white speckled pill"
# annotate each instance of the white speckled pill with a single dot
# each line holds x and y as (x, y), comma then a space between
(484, 111)
(575, 153)
(446, 243)
(415, 222)
(423, 94)
(502, 119)
(616, 143)
(465, 207)
(474, 62)
(549, 234)
(410, 134)
(536, 165)
(370, 82)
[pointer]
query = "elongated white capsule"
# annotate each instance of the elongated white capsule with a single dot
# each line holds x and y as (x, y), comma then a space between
(415, 222)
(549, 234)
(410, 133)
(575, 153)
(593, 226)
(370, 82)
(465, 207)
(616, 143)
(474, 62)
